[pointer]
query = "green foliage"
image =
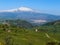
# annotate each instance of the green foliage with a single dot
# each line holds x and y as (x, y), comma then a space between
(28, 36)
(8, 41)
(19, 23)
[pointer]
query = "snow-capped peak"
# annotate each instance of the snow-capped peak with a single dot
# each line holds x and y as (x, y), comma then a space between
(25, 9)
(18, 9)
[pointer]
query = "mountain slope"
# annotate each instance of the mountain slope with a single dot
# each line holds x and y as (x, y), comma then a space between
(28, 14)
(54, 23)
(17, 23)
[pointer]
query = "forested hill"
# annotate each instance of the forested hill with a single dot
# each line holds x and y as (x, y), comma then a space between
(50, 27)
(53, 23)
(18, 23)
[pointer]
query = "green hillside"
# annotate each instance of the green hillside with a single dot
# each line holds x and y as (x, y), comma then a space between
(17, 23)
(16, 35)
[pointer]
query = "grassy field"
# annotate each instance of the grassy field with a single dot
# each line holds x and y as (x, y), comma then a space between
(27, 37)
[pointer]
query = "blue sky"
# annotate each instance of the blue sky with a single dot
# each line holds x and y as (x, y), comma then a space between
(48, 6)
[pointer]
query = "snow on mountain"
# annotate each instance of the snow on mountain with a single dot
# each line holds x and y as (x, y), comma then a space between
(25, 9)
(18, 9)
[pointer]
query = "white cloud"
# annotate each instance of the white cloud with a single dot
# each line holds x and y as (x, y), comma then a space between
(12, 10)
(39, 21)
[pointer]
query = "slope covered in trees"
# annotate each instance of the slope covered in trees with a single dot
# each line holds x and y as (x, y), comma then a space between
(12, 34)
(17, 23)
(50, 26)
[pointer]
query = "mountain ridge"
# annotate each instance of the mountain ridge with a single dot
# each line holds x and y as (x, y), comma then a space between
(18, 9)
(29, 15)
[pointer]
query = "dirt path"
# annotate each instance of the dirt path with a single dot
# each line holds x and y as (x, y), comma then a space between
(48, 36)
